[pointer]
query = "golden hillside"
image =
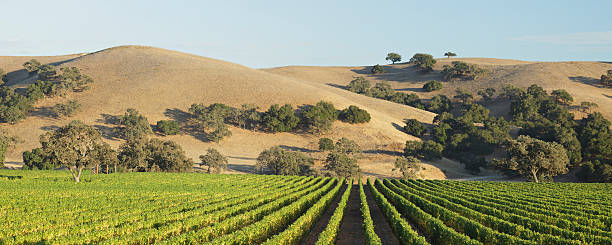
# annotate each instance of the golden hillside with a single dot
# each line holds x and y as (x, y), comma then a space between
(162, 84)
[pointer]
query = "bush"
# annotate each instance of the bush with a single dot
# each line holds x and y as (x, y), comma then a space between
(432, 85)
(133, 125)
(377, 69)
(36, 160)
(439, 104)
(326, 144)
(320, 117)
(423, 62)
(66, 110)
(280, 119)
(153, 155)
(462, 70)
(414, 127)
(381, 90)
(167, 127)
(359, 85)
(393, 57)
(562, 96)
(487, 94)
(606, 79)
(32, 66)
(283, 162)
(213, 159)
(342, 164)
(354, 114)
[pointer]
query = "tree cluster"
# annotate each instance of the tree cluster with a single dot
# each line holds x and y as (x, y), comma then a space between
(15, 106)
(462, 70)
(383, 90)
(423, 62)
(152, 155)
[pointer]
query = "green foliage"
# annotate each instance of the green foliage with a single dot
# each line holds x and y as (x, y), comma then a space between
(596, 138)
(393, 57)
(211, 120)
(606, 79)
(368, 224)
(408, 166)
(36, 160)
(359, 85)
(535, 159)
(462, 70)
(587, 106)
(32, 66)
(153, 155)
(2, 77)
(283, 162)
(214, 160)
(423, 62)
(326, 144)
(354, 114)
(562, 96)
(66, 110)
(450, 54)
(342, 164)
(475, 113)
(463, 96)
(429, 150)
(6, 141)
(381, 90)
(167, 127)
(432, 85)
(133, 125)
(320, 117)
(439, 104)
(246, 117)
(280, 118)
(13, 106)
(46, 73)
(377, 69)
(347, 146)
(487, 94)
(595, 171)
(414, 127)
(74, 146)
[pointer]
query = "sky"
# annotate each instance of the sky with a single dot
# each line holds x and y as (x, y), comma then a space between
(265, 33)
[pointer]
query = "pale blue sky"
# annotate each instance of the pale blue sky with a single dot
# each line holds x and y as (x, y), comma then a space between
(277, 33)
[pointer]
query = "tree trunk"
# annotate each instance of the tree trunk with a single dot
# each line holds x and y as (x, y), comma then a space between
(535, 176)
(209, 169)
(77, 177)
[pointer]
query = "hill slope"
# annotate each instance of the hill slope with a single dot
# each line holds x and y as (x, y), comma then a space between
(162, 84)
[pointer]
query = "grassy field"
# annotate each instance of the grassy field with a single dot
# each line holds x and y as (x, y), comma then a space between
(40, 207)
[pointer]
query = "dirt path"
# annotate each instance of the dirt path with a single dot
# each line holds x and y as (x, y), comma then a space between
(351, 230)
(323, 221)
(381, 226)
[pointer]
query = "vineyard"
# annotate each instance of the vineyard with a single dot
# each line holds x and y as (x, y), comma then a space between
(47, 207)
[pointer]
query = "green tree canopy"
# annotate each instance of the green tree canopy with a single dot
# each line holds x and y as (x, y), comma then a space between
(359, 85)
(393, 57)
(408, 166)
(377, 69)
(283, 162)
(450, 54)
(423, 62)
(354, 114)
(214, 160)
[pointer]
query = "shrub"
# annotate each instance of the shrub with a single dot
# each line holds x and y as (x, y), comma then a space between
(133, 125)
(354, 114)
(66, 110)
(36, 160)
(283, 162)
(326, 144)
(462, 70)
(359, 85)
(381, 90)
(377, 69)
(213, 159)
(463, 96)
(342, 164)
(439, 104)
(432, 85)
(606, 79)
(393, 57)
(414, 127)
(153, 155)
(423, 62)
(32, 66)
(487, 94)
(408, 166)
(562, 96)
(320, 117)
(280, 119)
(167, 127)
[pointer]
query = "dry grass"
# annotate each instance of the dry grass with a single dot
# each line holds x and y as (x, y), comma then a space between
(154, 80)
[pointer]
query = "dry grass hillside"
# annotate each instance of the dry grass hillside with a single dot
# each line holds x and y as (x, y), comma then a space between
(162, 84)
(578, 78)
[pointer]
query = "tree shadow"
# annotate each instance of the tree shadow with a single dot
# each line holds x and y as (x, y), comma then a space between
(587, 80)
(336, 86)
(384, 152)
(11, 177)
(186, 123)
(107, 132)
(43, 112)
(295, 148)
(398, 127)
(23, 77)
(244, 168)
(608, 96)
(49, 128)
(397, 74)
(109, 119)
(411, 89)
